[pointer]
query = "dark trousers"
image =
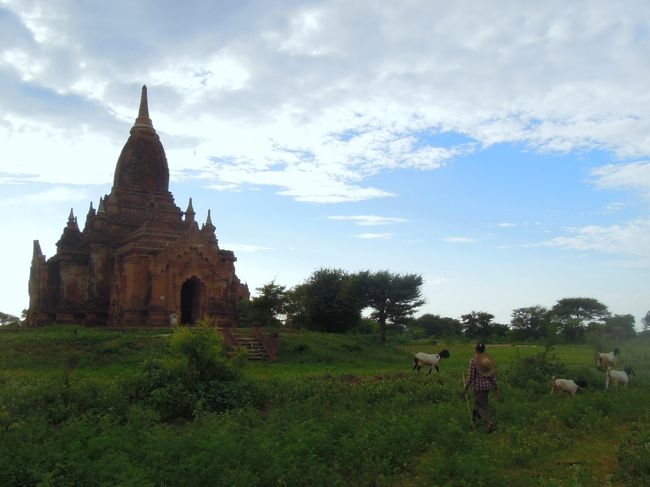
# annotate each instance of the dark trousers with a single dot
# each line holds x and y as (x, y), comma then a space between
(481, 410)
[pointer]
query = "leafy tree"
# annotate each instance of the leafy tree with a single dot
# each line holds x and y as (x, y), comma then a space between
(572, 315)
(328, 301)
(438, 326)
(7, 319)
(620, 327)
(393, 298)
(499, 330)
(270, 303)
(579, 310)
(530, 322)
(477, 324)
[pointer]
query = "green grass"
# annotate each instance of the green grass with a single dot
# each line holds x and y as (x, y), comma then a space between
(332, 410)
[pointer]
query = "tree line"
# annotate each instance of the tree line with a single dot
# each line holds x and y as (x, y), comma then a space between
(333, 300)
(336, 301)
(570, 320)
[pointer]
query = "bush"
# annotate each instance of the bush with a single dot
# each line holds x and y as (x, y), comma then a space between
(634, 456)
(535, 371)
(198, 376)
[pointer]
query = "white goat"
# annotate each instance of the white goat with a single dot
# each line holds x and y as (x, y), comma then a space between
(430, 359)
(607, 360)
(567, 385)
(619, 377)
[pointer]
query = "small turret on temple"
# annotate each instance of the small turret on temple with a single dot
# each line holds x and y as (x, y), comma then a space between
(139, 259)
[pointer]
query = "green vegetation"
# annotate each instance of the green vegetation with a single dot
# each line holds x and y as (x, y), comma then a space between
(332, 300)
(97, 407)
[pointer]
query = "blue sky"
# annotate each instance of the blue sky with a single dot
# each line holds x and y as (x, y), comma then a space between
(501, 152)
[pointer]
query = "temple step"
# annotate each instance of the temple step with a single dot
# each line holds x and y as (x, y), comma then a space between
(252, 345)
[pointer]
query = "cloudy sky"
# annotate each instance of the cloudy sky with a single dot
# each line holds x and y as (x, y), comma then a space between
(501, 152)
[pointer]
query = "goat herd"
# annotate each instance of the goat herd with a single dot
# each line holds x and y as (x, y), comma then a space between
(605, 361)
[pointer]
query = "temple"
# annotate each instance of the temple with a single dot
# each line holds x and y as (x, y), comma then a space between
(139, 260)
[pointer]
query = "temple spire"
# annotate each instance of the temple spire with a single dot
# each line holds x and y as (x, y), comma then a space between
(189, 213)
(37, 253)
(72, 221)
(143, 120)
(208, 229)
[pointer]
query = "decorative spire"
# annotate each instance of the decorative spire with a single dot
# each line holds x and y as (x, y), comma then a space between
(90, 218)
(208, 228)
(189, 213)
(143, 121)
(101, 208)
(37, 249)
(72, 221)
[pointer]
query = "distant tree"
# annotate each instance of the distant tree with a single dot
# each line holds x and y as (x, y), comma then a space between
(7, 319)
(571, 315)
(620, 327)
(296, 311)
(499, 331)
(581, 310)
(329, 300)
(438, 326)
(531, 322)
(477, 324)
(646, 321)
(393, 298)
(269, 303)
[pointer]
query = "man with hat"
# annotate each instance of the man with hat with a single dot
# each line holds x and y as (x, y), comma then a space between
(482, 377)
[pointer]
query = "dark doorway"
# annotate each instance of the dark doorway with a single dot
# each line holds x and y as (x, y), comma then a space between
(190, 301)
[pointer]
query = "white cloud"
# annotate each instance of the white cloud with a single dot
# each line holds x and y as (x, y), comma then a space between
(506, 225)
(631, 239)
(459, 240)
(434, 280)
(320, 101)
(634, 175)
(374, 236)
(369, 220)
(49, 196)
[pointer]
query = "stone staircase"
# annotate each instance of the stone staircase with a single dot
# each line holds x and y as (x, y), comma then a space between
(251, 344)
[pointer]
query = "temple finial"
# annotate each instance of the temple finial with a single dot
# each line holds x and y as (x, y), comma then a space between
(189, 213)
(143, 120)
(37, 249)
(72, 221)
(208, 229)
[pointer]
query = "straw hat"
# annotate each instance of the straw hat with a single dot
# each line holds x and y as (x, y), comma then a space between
(485, 364)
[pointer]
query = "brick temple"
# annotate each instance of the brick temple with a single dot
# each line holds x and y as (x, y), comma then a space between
(140, 260)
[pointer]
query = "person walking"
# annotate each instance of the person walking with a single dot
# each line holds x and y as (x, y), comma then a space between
(482, 377)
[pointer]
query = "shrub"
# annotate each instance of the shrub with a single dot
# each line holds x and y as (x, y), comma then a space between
(634, 456)
(198, 376)
(535, 371)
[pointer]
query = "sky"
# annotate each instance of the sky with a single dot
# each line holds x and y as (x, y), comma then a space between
(500, 151)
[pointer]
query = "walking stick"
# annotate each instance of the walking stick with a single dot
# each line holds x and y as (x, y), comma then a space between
(471, 418)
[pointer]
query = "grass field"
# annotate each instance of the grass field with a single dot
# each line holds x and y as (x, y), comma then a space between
(97, 407)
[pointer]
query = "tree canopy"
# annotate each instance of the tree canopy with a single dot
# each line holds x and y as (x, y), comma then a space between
(530, 322)
(270, 303)
(393, 298)
(477, 324)
(327, 301)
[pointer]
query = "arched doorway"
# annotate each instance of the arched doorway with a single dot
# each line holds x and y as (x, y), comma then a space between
(190, 301)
